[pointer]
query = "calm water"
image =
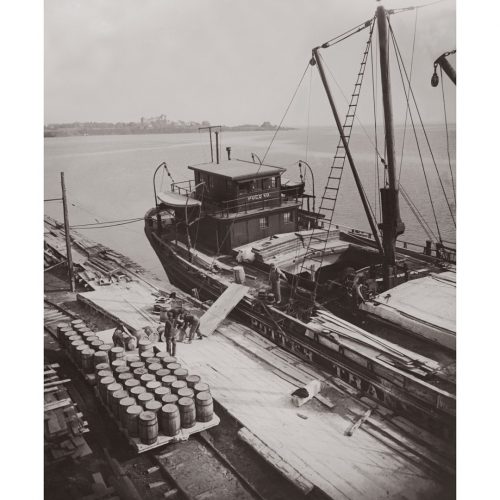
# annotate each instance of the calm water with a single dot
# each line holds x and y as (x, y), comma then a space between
(110, 177)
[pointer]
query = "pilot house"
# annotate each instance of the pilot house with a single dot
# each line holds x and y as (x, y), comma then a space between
(239, 202)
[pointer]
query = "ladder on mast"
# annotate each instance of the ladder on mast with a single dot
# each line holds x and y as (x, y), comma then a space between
(330, 194)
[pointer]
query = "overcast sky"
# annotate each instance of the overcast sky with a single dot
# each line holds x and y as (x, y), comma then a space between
(225, 61)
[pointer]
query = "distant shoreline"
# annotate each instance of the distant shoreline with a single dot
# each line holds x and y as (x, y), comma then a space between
(72, 130)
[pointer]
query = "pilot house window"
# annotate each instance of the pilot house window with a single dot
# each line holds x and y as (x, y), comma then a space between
(246, 187)
(264, 222)
(288, 217)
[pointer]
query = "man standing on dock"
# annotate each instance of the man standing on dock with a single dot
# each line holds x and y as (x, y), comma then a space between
(274, 278)
(169, 334)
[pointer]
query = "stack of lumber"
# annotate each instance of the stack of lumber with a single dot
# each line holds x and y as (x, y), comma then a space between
(292, 244)
(326, 323)
(97, 264)
(63, 424)
(50, 257)
(277, 245)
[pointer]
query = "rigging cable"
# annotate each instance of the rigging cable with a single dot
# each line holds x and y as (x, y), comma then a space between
(408, 97)
(377, 164)
(406, 197)
(309, 109)
(199, 216)
(399, 58)
(347, 34)
(78, 204)
(420, 218)
(135, 219)
(106, 226)
(420, 155)
(405, 9)
(345, 98)
(283, 118)
(447, 136)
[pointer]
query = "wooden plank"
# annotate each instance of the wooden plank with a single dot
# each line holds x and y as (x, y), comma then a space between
(57, 382)
(275, 460)
(288, 378)
(221, 308)
(325, 401)
(357, 424)
(57, 404)
(156, 484)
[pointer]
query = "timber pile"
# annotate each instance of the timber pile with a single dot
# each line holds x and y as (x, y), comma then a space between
(282, 244)
(50, 257)
(326, 323)
(63, 423)
(97, 265)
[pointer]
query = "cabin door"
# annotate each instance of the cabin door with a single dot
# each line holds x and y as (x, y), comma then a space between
(240, 233)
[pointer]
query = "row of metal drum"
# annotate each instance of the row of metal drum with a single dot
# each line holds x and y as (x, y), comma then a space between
(148, 393)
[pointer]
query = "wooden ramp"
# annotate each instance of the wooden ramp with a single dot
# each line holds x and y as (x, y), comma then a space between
(221, 308)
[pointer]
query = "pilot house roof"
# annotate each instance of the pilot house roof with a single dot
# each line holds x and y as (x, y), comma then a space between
(237, 170)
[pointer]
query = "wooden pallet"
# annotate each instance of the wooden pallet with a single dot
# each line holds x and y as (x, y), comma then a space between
(163, 440)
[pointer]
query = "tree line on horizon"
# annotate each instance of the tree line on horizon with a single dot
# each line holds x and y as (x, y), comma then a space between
(155, 125)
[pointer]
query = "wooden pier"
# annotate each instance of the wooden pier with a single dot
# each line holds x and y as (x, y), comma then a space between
(339, 442)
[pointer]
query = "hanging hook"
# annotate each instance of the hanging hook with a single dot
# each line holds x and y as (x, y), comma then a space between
(435, 77)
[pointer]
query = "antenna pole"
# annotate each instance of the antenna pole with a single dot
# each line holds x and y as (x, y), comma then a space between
(211, 147)
(209, 128)
(391, 226)
(66, 233)
(217, 146)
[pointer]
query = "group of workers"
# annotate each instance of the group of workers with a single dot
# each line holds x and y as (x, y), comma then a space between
(175, 324)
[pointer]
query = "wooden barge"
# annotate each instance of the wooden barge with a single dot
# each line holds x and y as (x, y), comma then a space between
(252, 379)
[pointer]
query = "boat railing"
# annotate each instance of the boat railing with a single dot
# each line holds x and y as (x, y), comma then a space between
(250, 201)
(445, 250)
(184, 188)
(260, 200)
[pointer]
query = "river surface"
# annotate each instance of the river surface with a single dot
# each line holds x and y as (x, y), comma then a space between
(109, 178)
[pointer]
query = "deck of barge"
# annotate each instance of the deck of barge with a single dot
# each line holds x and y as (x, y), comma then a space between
(397, 337)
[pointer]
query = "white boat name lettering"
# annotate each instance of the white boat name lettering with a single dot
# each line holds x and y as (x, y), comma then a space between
(258, 196)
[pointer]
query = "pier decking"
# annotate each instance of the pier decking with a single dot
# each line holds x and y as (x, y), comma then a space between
(253, 379)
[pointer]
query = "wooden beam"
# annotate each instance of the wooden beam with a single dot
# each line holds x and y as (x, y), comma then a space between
(221, 308)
